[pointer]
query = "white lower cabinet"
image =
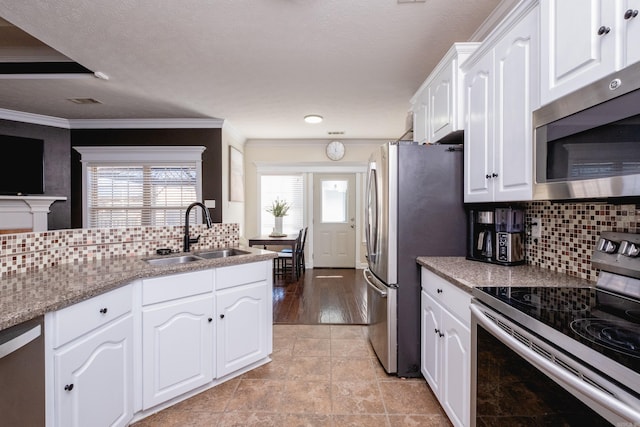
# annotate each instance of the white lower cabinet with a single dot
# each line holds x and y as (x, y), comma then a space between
(243, 307)
(241, 330)
(445, 345)
(177, 332)
(177, 348)
(93, 371)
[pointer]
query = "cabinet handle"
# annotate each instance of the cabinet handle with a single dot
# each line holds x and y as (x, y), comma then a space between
(630, 14)
(68, 387)
(603, 30)
(222, 316)
(103, 310)
(439, 291)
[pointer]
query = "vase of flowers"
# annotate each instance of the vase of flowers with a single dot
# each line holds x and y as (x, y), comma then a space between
(278, 209)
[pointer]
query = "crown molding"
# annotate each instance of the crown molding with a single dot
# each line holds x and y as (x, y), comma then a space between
(146, 123)
(36, 119)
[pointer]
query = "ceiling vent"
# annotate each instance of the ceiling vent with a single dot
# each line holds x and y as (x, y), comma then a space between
(84, 101)
(336, 132)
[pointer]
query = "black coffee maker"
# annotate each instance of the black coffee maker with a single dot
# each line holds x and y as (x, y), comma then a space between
(496, 235)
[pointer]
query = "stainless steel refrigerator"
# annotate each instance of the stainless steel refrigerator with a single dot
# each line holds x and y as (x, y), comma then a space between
(414, 207)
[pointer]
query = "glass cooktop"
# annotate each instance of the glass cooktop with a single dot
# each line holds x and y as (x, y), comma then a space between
(606, 322)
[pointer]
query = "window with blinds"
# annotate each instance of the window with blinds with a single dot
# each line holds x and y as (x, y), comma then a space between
(121, 196)
(283, 187)
(140, 186)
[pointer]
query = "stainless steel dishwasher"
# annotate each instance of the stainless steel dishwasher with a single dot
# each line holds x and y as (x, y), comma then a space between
(22, 374)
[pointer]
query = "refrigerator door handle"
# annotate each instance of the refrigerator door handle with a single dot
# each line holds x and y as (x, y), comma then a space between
(380, 292)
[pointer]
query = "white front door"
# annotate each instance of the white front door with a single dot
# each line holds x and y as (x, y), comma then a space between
(334, 220)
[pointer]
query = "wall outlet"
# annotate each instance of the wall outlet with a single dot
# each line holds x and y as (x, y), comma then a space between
(536, 228)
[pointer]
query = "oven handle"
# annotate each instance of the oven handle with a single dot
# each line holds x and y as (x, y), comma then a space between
(553, 371)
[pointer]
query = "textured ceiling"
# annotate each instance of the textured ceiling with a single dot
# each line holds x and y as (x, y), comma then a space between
(261, 65)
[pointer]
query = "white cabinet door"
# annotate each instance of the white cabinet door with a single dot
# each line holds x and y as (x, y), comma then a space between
(420, 130)
(456, 370)
(500, 94)
(478, 136)
(243, 326)
(93, 377)
(442, 120)
(516, 96)
(628, 16)
(430, 343)
(578, 44)
(177, 347)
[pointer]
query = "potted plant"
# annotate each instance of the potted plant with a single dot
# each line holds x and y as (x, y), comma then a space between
(278, 209)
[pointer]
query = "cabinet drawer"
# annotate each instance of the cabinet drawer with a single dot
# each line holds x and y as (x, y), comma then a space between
(78, 319)
(448, 295)
(167, 288)
(228, 277)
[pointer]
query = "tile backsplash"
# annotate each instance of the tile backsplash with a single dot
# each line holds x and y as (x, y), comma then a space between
(27, 252)
(570, 232)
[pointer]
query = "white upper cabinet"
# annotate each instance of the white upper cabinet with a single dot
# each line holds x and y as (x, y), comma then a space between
(500, 92)
(584, 40)
(438, 105)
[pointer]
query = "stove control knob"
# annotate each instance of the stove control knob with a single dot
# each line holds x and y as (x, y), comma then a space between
(629, 249)
(607, 246)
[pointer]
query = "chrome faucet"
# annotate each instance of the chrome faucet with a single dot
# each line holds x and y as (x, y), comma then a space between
(187, 240)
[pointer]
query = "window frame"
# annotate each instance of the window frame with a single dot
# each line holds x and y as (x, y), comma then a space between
(137, 156)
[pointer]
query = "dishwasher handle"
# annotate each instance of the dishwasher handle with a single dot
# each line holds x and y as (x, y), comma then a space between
(381, 292)
(13, 340)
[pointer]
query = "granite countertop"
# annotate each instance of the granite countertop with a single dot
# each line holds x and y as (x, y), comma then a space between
(28, 295)
(468, 274)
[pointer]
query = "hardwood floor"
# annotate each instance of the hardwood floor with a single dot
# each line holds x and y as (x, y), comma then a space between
(321, 296)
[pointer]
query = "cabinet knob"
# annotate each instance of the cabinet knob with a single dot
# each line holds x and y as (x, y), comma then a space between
(68, 387)
(222, 316)
(630, 14)
(603, 30)
(439, 291)
(440, 334)
(494, 175)
(210, 319)
(103, 310)
(487, 176)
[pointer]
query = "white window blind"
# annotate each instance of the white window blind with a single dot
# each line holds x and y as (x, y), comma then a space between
(283, 187)
(136, 195)
(140, 186)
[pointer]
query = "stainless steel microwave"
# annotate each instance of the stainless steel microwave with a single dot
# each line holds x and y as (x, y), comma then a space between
(587, 143)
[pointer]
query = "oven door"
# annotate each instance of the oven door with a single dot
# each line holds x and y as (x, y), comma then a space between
(507, 387)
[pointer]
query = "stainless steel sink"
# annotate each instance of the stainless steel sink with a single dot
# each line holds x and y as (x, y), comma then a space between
(182, 259)
(222, 253)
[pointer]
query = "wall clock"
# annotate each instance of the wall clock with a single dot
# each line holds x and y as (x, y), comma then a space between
(335, 150)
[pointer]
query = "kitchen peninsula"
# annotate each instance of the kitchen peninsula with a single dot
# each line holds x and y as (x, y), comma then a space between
(122, 335)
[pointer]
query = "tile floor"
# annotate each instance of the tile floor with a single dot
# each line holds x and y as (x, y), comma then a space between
(321, 375)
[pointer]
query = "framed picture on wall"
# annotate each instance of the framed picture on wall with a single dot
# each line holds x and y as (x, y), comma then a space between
(236, 175)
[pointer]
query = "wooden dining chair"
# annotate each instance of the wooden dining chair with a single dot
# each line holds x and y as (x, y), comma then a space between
(284, 262)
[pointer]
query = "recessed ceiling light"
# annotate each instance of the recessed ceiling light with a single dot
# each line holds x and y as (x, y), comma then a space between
(313, 118)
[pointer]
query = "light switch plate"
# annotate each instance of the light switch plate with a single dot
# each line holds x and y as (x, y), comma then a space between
(536, 228)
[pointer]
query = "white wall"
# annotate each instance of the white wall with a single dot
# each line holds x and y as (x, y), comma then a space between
(232, 211)
(305, 155)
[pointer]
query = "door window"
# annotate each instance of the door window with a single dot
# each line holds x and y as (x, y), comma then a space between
(334, 201)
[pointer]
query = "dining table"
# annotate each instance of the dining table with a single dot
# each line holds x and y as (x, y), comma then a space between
(285, 240)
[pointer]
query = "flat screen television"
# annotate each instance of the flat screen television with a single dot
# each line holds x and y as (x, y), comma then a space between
(22, 166)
